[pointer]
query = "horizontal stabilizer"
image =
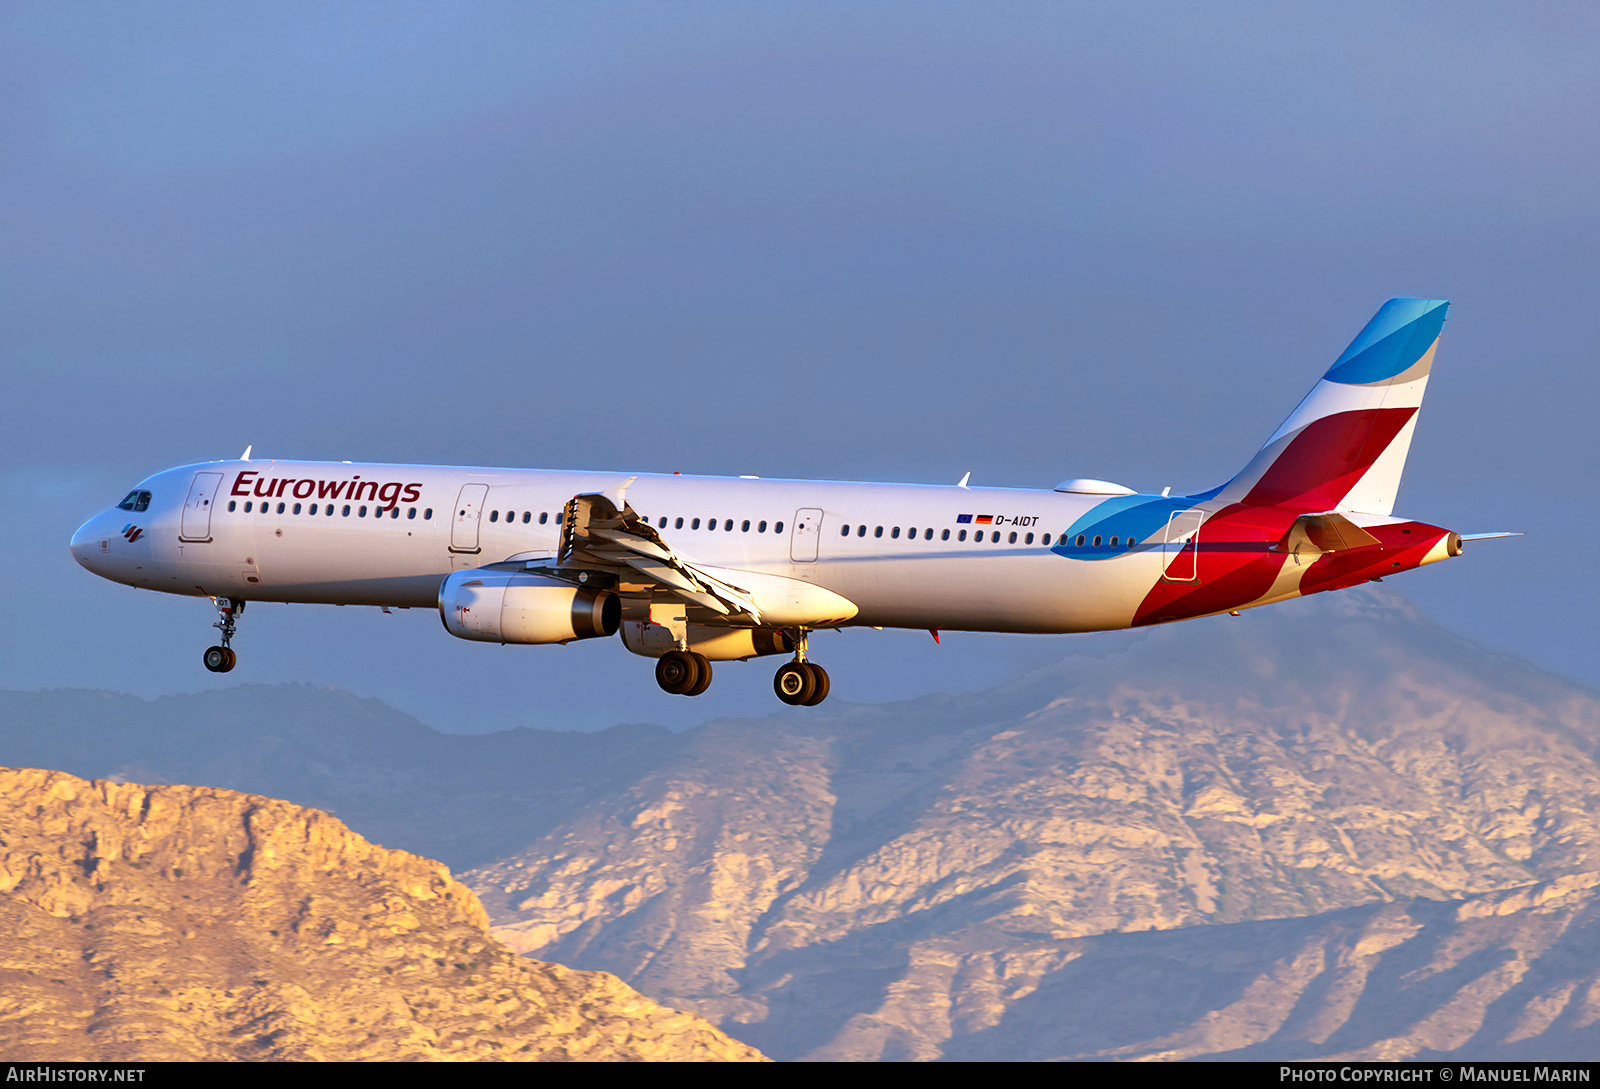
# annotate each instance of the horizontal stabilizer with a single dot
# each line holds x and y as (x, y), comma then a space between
(1324, 533)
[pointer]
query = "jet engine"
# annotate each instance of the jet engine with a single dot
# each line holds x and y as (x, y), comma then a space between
(517, 607)
(716, 643)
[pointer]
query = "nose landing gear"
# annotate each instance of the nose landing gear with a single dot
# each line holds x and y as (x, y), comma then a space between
(221, 659)
(800, 683)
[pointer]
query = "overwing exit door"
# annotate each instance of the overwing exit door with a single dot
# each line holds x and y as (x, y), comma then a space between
(803, 539)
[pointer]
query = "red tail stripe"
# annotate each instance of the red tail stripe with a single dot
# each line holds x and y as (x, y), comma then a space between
(1327, 458)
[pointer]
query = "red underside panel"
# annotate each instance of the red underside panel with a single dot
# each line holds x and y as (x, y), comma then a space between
(1233, 561)
(1396, 551)
(1236, 567)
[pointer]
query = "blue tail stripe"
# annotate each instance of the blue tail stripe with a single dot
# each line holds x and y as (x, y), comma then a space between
(1393, 340)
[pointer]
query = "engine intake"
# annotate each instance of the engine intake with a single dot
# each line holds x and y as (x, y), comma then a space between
(516, 607)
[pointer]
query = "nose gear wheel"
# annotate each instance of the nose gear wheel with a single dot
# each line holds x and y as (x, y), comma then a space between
(221, 659)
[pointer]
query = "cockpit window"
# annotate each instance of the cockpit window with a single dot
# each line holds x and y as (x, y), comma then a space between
(135, 501)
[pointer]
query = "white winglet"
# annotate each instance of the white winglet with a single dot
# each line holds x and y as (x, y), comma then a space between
(246, 455)
(619, 495)
(962, 483)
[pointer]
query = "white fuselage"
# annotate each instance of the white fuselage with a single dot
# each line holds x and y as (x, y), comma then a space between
(392, 533)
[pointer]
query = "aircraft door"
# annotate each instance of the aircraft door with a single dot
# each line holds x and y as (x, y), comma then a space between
(464, 523)
(1179, 555)
(806, 535)
(196, 525)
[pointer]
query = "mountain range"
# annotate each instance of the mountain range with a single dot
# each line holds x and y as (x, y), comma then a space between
(1323, 829)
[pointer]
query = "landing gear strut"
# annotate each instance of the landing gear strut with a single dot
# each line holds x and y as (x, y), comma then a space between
(683, 672)
(800, 683)
(221, 659)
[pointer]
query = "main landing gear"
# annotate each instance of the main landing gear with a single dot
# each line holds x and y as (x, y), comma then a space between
(800, 683)
(683, 672)
(222, 659)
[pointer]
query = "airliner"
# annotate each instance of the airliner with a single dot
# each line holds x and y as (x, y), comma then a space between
(691, 570)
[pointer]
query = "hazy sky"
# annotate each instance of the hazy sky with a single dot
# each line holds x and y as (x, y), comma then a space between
(891, 242)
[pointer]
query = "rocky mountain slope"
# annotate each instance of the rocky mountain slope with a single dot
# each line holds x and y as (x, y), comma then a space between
(161, 923)
(880, 881)
(1503, 975)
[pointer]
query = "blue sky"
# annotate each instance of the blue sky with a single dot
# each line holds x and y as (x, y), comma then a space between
(895, 242)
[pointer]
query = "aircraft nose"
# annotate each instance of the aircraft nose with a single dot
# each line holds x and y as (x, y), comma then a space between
(86, 542)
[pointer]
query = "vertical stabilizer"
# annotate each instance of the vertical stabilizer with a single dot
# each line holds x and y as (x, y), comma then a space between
(1345, 446)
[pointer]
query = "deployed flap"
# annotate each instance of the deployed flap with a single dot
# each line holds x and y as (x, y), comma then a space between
(1324, 533)
(595, 533)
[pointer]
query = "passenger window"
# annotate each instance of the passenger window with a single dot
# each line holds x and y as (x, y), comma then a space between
(544, 516)
(231, 505)
(427, 514)
(363, 511)
(247, 506)
(878, 532)
(678, 524)
(1013, 538)
(663, 524)
(728, 525)
(494, 516)
(297, 508)
(394, 512)
(861, 531)
(411, 513)
(1114, 542)
(778, 528)
(844, 531)
(1080, 540)
(945, 536)
(1097, 540)
(1045, 540)
(762, 528)
(347, 510)
(960, 536)
(995, 537)
(895, 533)
(695, 524)
(1028, 539)
(280, 508)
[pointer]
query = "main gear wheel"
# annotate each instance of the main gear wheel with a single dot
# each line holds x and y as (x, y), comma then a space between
(683, 672)
(801, 684)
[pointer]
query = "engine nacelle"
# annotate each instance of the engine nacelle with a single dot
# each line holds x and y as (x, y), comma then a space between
(716, 643)
(516, 607)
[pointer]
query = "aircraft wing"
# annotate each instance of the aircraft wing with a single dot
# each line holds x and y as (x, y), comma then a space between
(601, 531)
